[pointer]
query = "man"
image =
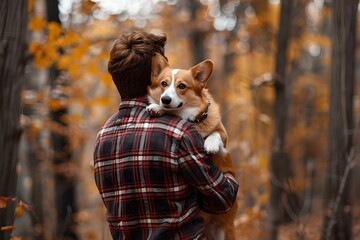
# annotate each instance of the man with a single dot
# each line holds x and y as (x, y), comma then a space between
(152, 172)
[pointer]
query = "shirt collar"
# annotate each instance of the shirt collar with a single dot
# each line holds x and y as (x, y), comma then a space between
(134, 102)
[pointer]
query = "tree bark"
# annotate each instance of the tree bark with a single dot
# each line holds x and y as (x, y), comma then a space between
(13, 19)
(196, 35)
(65, 202)
(337, 199)
(279, 162)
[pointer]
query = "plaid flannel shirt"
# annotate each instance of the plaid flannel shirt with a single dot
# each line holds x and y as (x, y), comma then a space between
(154, 176)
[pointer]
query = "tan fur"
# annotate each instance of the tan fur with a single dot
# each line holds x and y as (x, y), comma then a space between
(197, 96)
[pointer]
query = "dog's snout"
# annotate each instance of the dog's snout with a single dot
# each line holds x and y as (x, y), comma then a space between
(166, 100)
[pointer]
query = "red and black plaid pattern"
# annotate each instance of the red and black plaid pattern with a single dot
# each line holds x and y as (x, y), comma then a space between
(154, 176)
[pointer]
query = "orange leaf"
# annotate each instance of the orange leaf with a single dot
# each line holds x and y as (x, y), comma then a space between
(15, 238)
(92, 69)
(34, 46)
(36, 24)
(77, 52)
(5, 200)
(106, 79)
(100, 101)
(63, 63)
(74, 70)
(8, 228)
(19, 211)
(30, 5)
(2, 203)
(54, 30)
(42, 62)
(104, 55)
(56, 104)
(69, 38)
(50, 51)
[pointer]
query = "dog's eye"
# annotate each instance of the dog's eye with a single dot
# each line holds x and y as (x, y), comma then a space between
(182, 86)
(163, 83)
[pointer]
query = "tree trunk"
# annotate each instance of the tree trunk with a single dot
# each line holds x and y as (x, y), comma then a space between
(196, 35)
(64, 181)
(279, 162)
(337, 199)
(13, 19)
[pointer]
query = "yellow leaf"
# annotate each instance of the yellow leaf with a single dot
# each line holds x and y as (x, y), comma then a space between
(104, 55)
(34, 47)
(8, 228)
(15, 238)
(63, 62)
(68, 39)
(100, 101)
(54, 30)
(50, 51)
(92, 69)
(106, 79)
(42, 62)
(36, 24)
(74, 71)
(77, 53)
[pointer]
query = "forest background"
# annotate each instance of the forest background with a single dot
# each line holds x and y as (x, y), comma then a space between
(285, 77)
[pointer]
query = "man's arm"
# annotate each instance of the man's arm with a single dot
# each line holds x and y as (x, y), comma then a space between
(216, 191)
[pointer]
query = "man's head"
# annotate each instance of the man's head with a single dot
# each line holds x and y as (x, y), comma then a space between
(130, 62)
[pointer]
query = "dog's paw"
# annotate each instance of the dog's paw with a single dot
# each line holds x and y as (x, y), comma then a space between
(213, 144)
(155, 110)
(192, 118)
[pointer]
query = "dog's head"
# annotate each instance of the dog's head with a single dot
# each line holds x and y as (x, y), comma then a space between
(175, 89)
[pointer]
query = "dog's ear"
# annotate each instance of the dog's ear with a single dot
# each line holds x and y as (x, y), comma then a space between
(158, 64)
(202, 71)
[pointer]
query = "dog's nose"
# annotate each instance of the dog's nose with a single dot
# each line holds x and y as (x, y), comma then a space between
(166, 99)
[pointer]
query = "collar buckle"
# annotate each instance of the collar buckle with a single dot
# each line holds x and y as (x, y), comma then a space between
(203, 116)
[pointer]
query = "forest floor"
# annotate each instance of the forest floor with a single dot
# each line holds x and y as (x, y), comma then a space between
(311, 229)
(308, 228)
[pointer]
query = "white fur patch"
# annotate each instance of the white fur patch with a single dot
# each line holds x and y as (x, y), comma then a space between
(173, 72)
(213, 143)
(171, 92)
(189, 113)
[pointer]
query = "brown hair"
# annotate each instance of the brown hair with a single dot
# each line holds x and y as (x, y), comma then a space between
(130, 62)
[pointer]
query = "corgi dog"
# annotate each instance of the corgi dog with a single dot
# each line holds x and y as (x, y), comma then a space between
(182, 92)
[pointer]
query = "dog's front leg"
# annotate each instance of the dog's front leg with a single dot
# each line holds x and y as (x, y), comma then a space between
(213, 144)
(155, 110)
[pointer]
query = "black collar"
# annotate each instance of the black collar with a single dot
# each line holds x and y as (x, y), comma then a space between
(203, 116)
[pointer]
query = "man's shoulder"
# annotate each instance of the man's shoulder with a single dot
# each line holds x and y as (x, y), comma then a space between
(175, 125)
(175, 121)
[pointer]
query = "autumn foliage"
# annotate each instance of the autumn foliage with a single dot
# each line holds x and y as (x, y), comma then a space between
(240, 37)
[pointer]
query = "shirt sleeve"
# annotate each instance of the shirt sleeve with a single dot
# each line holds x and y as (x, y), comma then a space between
(216, 191)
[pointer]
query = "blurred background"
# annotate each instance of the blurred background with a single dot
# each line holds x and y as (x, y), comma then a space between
(285, 75)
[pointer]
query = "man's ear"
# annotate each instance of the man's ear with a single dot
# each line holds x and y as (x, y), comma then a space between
(202, 72)
(158, 64)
